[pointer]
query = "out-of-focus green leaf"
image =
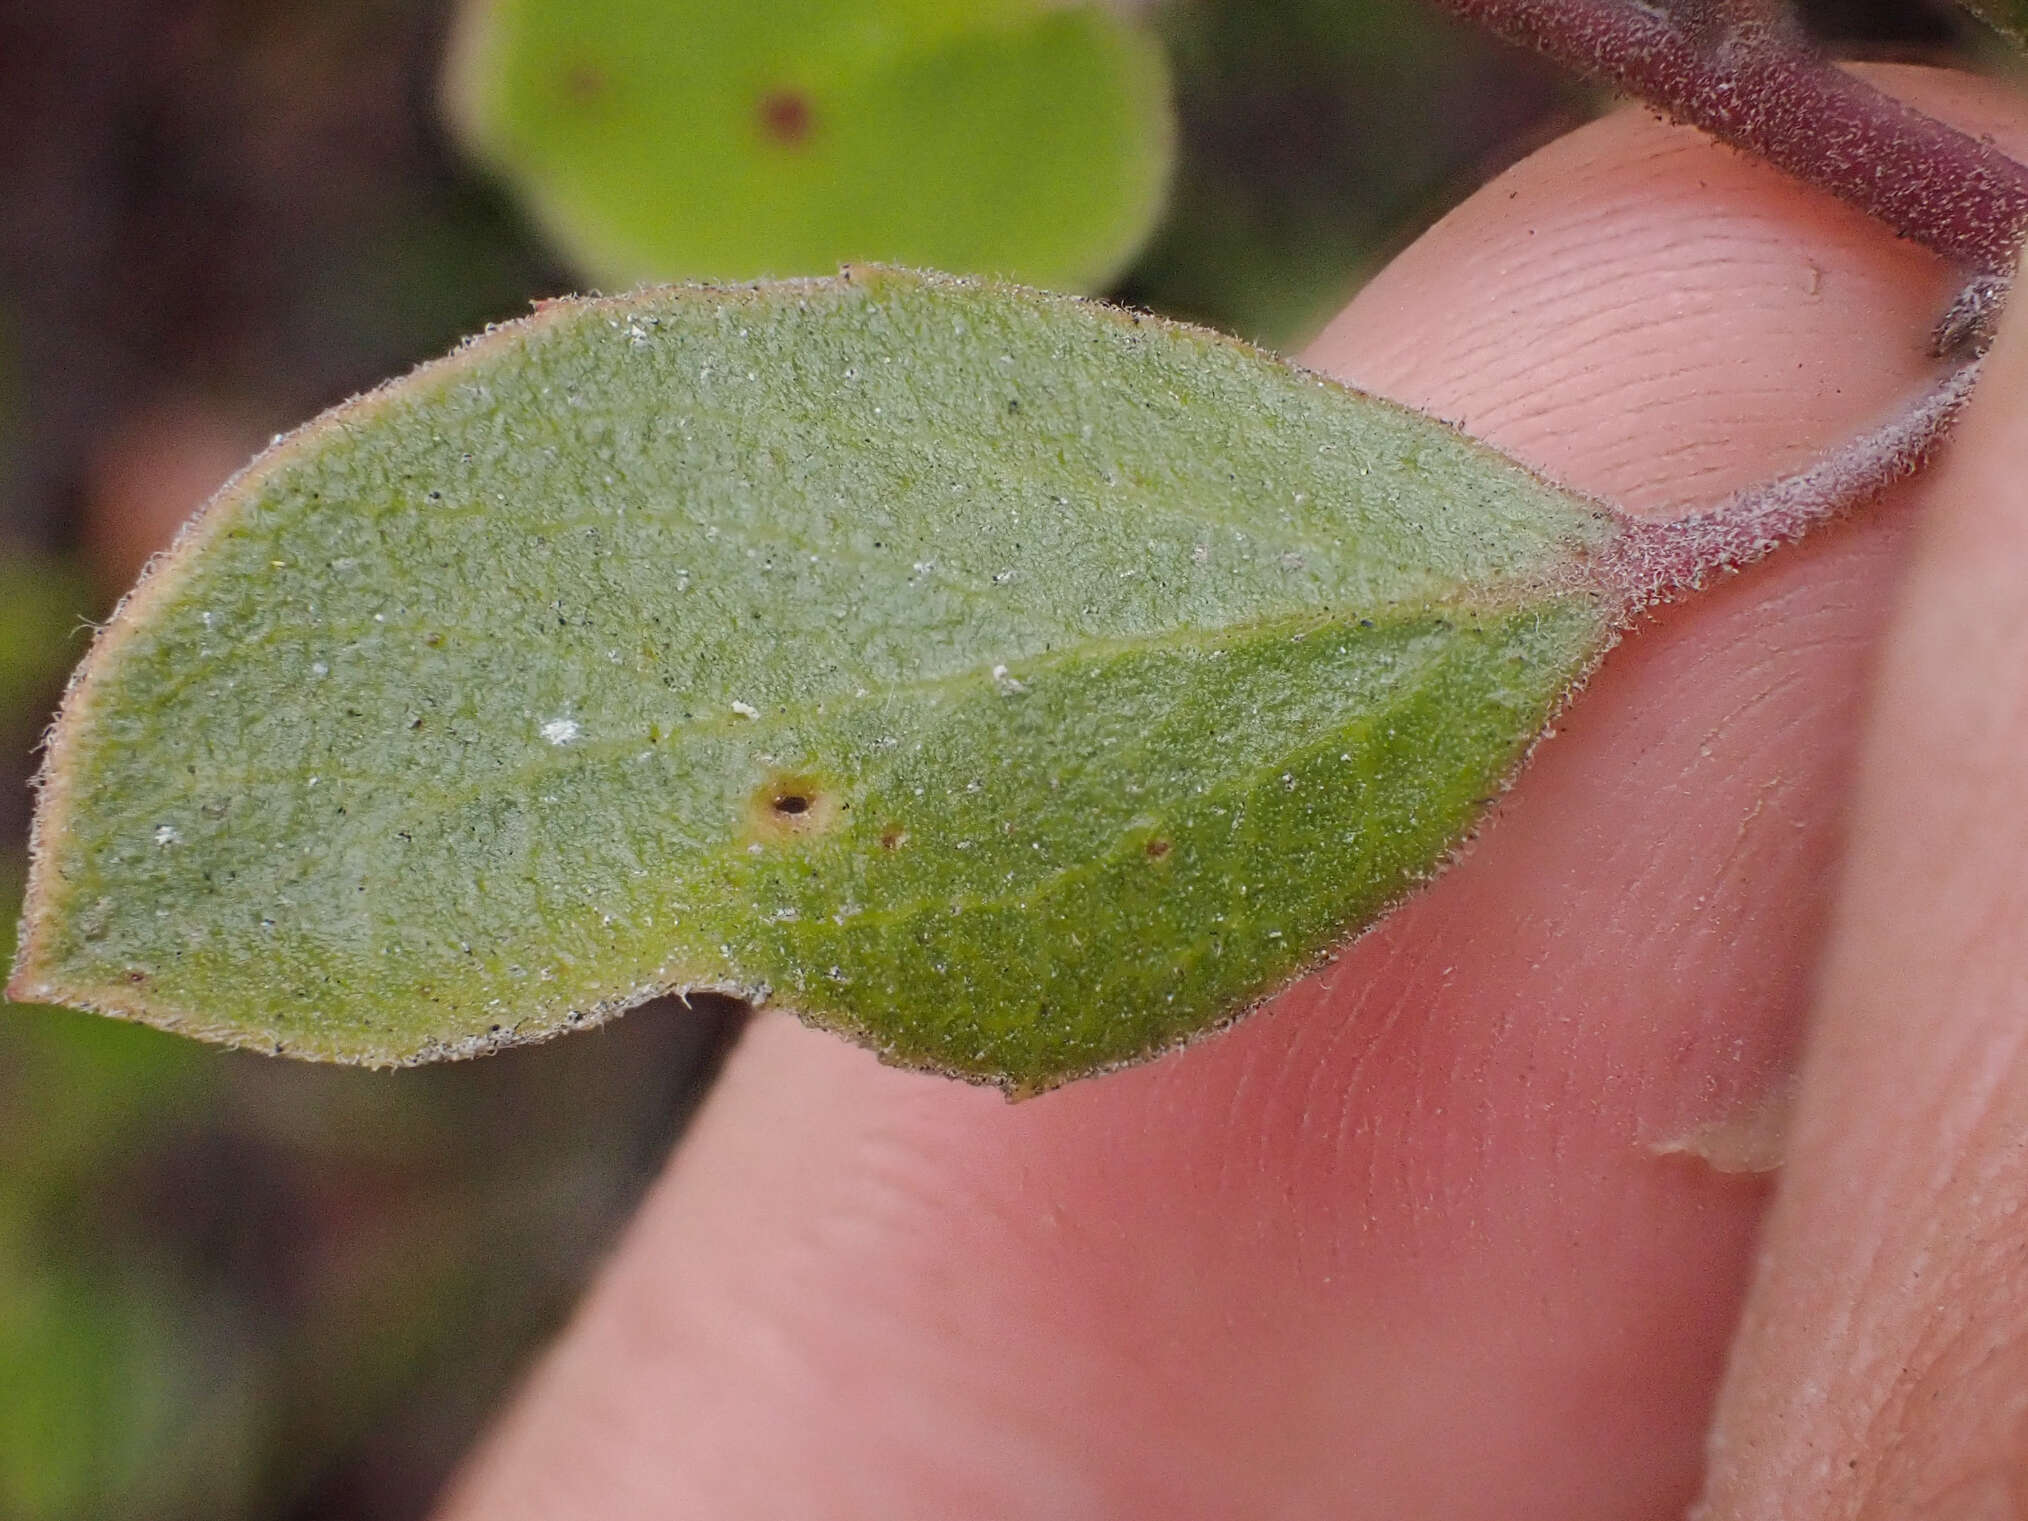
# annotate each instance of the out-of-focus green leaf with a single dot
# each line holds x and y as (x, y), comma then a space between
(1018, 684)
(1317, 136)
(105, 1411)
(679, 139)
(2007, 17)
(41, 603)
(111, 1406)
(75, 1092)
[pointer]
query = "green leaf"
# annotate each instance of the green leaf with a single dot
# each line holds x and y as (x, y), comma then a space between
(675, 139)
(112, 1404)
(44, 602)
(1017, 684)
(2007, 17)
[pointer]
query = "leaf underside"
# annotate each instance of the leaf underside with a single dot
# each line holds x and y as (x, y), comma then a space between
(691, 139)
(1017, 684)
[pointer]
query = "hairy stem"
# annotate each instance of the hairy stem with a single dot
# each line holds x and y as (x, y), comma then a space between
(1740, 70)
(1655, 561)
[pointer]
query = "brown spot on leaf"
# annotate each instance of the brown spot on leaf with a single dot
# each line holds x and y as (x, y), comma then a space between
(792, 803)
(585, 84)
(893, 837)
(1157, 849)
(785, 117)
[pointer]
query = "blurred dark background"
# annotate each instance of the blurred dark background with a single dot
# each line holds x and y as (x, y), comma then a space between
(237, 1287)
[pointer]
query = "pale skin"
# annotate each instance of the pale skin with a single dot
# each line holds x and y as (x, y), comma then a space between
(1465, 1225)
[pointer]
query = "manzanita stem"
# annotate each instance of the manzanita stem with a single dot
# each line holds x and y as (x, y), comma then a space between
(1752, 81)
(1707, 22)
(1655, 561)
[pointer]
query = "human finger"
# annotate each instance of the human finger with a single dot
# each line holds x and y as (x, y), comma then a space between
(1457, 1226)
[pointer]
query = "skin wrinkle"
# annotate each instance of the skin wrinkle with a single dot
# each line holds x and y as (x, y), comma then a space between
(1380, 1057)
(1625, 300)
(1518, 425)
(1257, 1163)
(1592, 215)
(1904, 1431)
(1348, 1127)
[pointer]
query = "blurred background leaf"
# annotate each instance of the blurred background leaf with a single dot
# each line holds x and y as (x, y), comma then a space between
(2009, 21)
(692, 139)
(232, 1287)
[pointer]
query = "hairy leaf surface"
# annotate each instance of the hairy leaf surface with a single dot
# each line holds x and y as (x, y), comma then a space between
(692, 139)
(1018, 684)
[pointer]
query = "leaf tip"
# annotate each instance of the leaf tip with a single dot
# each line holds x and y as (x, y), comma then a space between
(28, 978)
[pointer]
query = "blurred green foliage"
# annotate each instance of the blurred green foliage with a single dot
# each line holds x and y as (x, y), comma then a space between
(106, 1406)
(1318, 136)
(42, 601)
(691, 139)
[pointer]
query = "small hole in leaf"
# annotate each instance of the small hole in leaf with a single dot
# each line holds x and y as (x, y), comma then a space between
(785, 117)
(1157, 849)
(789, 804)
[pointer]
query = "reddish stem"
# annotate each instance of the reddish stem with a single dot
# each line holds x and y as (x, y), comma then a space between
(1744, 75)
(1652, 562)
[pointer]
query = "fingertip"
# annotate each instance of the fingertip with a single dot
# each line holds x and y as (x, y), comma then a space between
(1879, 1369)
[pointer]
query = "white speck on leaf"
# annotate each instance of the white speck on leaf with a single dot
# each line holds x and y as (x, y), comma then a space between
(746, 710)
(166, 835)
(561, 731)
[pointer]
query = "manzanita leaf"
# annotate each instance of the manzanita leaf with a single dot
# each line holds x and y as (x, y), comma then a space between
(688, 139)
(1017, 684)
